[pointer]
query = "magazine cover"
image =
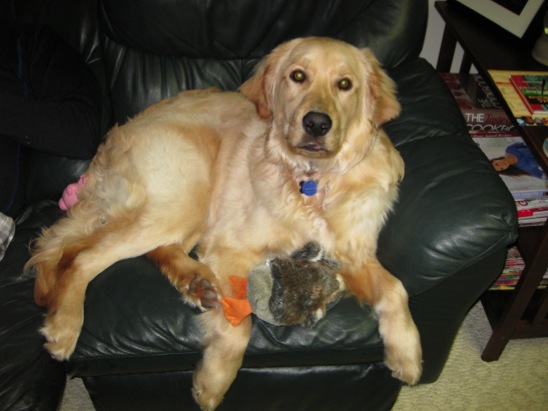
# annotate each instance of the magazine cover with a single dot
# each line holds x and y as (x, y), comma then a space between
(479, 106)
(515, 163)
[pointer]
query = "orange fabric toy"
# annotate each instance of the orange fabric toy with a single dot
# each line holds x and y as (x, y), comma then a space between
(238, 307)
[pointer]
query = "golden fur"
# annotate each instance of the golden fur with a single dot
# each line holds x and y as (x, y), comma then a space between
(203, 168)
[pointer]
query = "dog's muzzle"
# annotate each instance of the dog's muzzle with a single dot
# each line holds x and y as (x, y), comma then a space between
(315, 125)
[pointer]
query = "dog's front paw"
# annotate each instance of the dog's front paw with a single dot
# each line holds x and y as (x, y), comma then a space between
(405, 358)
(202, 293)
(207, 400)
(62, 332)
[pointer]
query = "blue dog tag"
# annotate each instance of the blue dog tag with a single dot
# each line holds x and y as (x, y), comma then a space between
(309, 188)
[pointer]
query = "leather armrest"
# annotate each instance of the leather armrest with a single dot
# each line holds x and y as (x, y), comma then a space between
(453, 209)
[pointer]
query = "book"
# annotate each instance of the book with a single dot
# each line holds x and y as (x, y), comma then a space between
(515, 164)
(533, 90)
(479, 106)
(501, 79)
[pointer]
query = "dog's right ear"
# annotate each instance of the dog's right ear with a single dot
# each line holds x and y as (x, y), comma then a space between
(259, 87)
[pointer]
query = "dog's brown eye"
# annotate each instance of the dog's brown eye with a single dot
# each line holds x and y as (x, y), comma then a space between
(297, 76)
(344, 84)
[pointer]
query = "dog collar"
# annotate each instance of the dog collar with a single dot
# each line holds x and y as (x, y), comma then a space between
(308, 187)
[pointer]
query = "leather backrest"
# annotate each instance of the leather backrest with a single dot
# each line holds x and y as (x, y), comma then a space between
(156, 48)
(75, 21)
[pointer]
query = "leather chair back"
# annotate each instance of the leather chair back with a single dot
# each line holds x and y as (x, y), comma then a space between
(154, 49)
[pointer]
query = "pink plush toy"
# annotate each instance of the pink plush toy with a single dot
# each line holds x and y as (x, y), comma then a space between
(70, 194)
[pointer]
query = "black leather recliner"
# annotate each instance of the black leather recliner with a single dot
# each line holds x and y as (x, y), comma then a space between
(445, 240)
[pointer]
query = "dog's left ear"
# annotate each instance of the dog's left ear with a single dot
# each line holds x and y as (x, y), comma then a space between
(382, 91)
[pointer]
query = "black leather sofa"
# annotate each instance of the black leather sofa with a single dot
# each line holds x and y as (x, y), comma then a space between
(445, 240)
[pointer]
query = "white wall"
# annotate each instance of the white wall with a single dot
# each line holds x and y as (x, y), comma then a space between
(432, 42)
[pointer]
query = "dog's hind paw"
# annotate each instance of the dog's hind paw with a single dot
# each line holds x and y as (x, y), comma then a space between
(202, 293)
(61, 334)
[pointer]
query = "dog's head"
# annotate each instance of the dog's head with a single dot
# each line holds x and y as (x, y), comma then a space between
(321, 95)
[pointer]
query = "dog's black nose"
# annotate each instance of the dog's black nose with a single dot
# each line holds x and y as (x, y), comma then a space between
(317, 124)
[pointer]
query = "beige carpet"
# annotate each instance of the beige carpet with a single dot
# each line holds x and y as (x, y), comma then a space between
(517, 382)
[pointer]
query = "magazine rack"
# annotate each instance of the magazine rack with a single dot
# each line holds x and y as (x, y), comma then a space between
(521, 313)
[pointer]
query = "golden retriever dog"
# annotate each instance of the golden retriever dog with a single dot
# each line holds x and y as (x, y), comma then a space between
(224, 170)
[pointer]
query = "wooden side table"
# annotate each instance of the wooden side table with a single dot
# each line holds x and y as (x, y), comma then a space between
(521, 313)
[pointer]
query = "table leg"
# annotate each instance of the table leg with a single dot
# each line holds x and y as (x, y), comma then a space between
(447, 51)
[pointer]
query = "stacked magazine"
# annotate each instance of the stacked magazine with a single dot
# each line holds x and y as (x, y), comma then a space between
(512, 272)
(494, 132)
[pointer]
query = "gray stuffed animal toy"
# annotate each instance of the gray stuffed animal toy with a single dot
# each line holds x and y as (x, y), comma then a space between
(288, 291)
